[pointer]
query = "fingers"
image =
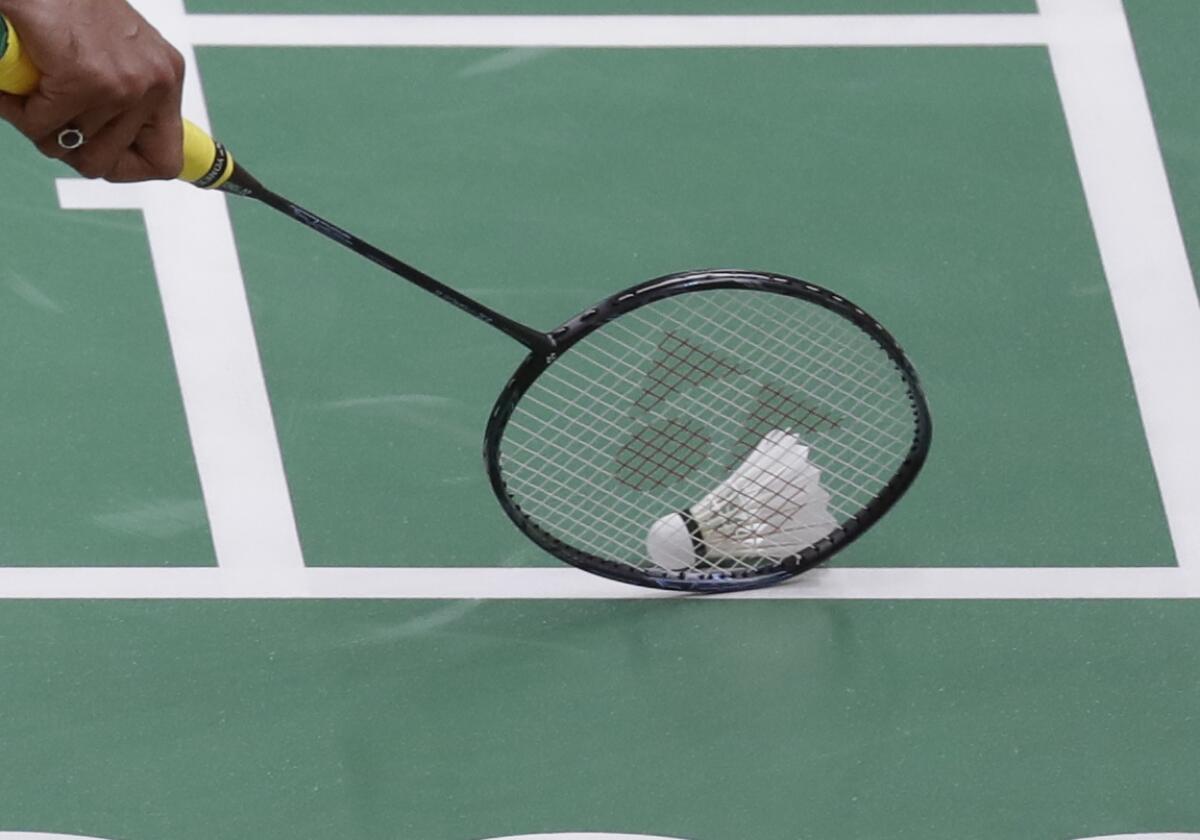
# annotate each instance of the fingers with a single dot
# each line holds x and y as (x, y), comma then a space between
(120, 83)
(47, 114)
(104, 146)
(157, 150)
(135, 146)
(142, 143)
(130, 119)
(156, 153)
(89, 125)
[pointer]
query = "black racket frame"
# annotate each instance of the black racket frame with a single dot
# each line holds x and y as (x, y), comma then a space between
(651, 291)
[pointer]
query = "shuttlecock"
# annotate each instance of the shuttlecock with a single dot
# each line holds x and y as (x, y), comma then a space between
(771, 506)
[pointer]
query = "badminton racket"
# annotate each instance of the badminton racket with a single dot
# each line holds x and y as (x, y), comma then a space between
(705, 431)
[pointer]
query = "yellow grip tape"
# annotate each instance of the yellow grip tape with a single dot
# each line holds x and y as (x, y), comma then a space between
(17, 73)
(206, 163)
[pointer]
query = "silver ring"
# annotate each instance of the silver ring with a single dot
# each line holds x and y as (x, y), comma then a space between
(71, 139)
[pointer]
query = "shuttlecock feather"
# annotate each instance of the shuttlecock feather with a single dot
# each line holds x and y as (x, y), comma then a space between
(771, 506)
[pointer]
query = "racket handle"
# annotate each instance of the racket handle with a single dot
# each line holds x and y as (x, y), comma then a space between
(206, 163)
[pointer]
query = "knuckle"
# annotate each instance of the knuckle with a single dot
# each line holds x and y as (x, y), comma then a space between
(97, 80)
(165, 75)
(128, 89)
(122, 87)
(176, 66)
(159, 89)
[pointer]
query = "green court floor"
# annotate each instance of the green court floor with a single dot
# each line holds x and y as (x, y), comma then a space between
(946, 189)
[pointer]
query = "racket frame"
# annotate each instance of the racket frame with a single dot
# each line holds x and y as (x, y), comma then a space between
(576, 329)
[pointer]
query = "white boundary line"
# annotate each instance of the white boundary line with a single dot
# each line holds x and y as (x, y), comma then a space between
(216, 361)
(1127, 192)
(616, 30)
(565, 583)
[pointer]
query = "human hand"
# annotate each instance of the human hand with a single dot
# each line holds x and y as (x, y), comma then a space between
(107, 73)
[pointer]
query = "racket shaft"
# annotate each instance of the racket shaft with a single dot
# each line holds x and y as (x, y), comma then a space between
(242, 183)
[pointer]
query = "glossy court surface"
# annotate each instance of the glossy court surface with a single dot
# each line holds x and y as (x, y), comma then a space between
(253, 582)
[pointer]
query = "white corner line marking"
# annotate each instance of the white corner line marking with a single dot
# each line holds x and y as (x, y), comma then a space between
(616, 30)
(1141, 246)
(213, 344)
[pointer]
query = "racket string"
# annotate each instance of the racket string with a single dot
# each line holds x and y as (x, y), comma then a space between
(584, 472)
(589, 443)
(597, 430)
(555, 372)
(854, 371)
(594, 410)
(592, 381)
(796, 368)
(586, 520)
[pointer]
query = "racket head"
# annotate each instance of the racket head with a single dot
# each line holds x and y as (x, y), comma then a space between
(678, 365)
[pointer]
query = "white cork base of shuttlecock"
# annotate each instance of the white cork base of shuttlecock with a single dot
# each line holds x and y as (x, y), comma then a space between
(669, 544)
